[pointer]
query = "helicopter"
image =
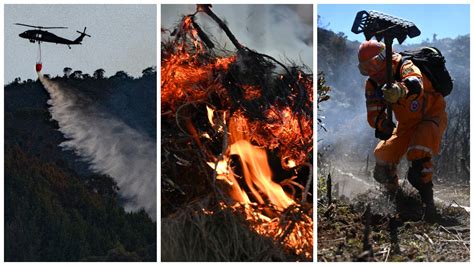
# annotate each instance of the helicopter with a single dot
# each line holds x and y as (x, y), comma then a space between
(39, 35)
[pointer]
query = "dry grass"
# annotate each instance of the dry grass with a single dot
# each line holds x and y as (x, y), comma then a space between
(194, 235)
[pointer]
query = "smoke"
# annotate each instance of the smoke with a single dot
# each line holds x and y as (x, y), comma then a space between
(282, 31)
(109, 145)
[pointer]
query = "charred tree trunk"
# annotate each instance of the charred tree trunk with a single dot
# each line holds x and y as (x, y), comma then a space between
(393, 229)
(367, 229)
(329, 187)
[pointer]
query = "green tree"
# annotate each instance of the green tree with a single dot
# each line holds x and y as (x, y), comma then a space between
(76, 74)
(67, 71)
(99, 73)
(121, 75)
(149, 71)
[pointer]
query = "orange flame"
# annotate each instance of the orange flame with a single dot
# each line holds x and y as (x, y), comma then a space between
(254, 161)
(257, 173)
(210, 115)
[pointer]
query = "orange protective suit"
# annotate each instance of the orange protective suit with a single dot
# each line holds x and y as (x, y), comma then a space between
(421, 117)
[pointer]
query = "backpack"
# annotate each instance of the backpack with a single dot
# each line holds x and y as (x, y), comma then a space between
(431, 63)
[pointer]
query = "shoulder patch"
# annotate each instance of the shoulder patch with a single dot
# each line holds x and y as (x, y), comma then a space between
(414, 105)
(407, 71)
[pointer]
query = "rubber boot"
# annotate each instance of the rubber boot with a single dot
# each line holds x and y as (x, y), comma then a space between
(425, 189)
(426, 193)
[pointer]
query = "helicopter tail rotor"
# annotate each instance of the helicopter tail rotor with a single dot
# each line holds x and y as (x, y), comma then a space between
(84, 32)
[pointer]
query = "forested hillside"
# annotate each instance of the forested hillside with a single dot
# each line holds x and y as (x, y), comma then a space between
(56, 207)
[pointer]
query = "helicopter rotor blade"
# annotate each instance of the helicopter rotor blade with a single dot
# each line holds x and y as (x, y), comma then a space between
(39, 27)
(54, 27)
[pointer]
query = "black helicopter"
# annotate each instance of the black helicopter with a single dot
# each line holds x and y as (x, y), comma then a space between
(39, 35)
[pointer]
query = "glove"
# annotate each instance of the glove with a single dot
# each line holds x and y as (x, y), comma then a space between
(394, 93)
(385, 130)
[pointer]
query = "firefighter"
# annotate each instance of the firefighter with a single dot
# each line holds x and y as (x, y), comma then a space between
(422, 120)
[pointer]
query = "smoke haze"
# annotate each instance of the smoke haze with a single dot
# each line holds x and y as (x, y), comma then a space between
(282, 31)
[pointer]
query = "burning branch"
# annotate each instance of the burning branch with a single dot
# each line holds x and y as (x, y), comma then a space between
(206, 8)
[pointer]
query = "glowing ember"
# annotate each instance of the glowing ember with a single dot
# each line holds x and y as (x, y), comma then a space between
(210, 115)
(205, 135)
(251, 92)
(289, 163)
(223, 63)
(299, 239)
(184, 77)
(221, 168)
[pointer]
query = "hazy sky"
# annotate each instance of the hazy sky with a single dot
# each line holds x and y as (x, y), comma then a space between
(123, 38)
(444, 20)
(282, 31)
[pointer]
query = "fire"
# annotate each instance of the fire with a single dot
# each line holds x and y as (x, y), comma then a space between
(222, 171)
(258, 175)
(206, 135)
(254, 161)
(288, 132)
(224, 63)
(257, 172)
(220, 167)
(289, 163)
(192, 75)
(300, 238)
(258, 178)
(210, 115)
(184, 77)
(251, 92)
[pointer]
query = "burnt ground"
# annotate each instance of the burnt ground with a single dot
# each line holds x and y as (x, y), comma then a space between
(398, 231)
